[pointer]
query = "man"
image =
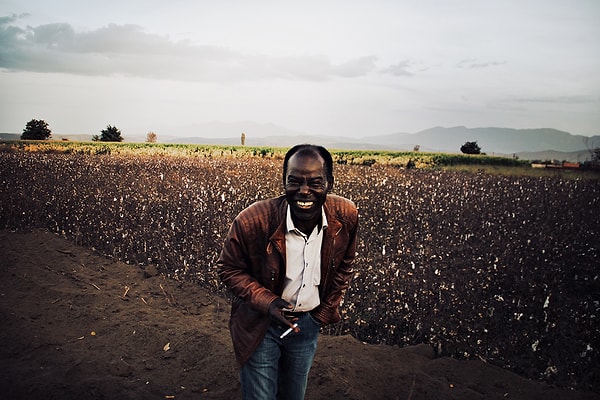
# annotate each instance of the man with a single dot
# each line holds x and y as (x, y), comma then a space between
(287, 261)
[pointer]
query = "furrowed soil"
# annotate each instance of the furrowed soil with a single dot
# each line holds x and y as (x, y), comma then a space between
(78, 325)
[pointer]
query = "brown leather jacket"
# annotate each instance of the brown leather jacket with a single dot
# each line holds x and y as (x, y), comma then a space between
(252, 265)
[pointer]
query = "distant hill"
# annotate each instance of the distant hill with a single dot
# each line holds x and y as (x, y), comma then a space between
(528, 144)
(573, 156)
(78, 138)
(493, 140)
(10, 136)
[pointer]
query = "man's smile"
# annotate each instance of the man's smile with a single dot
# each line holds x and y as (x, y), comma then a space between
(305, 204)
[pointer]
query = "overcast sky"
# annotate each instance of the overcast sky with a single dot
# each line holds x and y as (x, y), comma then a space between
(336, 68)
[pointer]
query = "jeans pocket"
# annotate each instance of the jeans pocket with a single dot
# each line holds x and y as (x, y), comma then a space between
(317, 323)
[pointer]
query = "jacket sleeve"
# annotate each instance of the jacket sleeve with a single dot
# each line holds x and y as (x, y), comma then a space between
(235, 268)
(341, 274)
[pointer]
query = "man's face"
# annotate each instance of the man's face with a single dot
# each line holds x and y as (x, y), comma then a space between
(306, 186)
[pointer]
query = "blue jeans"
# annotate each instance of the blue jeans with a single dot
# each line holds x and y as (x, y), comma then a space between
(278, 368)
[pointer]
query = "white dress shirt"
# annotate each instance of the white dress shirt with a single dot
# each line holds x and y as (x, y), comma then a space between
(303, 265)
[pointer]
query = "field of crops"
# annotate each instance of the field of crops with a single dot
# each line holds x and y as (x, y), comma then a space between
(497, 267)
(352, 157)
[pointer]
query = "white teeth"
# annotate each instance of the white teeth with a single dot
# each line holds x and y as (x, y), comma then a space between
(305, 203)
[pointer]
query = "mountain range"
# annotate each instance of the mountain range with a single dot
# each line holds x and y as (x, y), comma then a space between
(528, 144)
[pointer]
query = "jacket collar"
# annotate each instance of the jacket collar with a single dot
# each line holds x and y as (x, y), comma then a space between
(289, 222)
(278, 236)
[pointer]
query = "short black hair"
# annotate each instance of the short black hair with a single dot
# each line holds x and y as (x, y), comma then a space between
(313, 150)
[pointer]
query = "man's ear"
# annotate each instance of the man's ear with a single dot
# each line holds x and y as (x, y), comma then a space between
(330, 185)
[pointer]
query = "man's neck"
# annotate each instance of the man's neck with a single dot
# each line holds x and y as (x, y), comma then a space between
(307, 227)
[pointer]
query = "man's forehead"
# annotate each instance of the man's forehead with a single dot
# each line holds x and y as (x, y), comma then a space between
(313, 161)
(308, 154)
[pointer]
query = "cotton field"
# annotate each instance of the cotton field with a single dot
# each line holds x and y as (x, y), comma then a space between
(505, 269)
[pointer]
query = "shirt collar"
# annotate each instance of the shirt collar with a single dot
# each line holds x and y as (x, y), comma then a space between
(290, 223)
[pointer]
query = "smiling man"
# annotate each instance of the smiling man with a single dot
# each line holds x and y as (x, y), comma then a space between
(287, 261)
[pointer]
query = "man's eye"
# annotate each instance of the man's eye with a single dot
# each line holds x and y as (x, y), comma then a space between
(313, 184)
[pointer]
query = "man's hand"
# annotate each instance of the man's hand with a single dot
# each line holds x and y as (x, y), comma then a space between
(276, 313)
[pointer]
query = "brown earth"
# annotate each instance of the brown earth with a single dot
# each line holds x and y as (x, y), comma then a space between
(77, 325)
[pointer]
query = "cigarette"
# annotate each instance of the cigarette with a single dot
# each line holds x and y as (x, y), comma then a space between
(284, 334)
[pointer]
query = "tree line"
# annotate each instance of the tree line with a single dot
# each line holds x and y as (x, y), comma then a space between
(38, 129)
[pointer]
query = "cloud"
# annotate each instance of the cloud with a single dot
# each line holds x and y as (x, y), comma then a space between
(12, 18)
(559, 99)
(473, 64)
(400, 69)
(357, 67)
(129, 50)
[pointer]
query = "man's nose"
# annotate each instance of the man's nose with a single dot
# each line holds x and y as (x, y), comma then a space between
(304, 188)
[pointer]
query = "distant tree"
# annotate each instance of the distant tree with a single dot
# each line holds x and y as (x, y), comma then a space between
(596, 158)
(36, 129)
(111, 134)
(151, 137)
(470, 148)
(243, 138)
(594, 153)
(416, 148)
